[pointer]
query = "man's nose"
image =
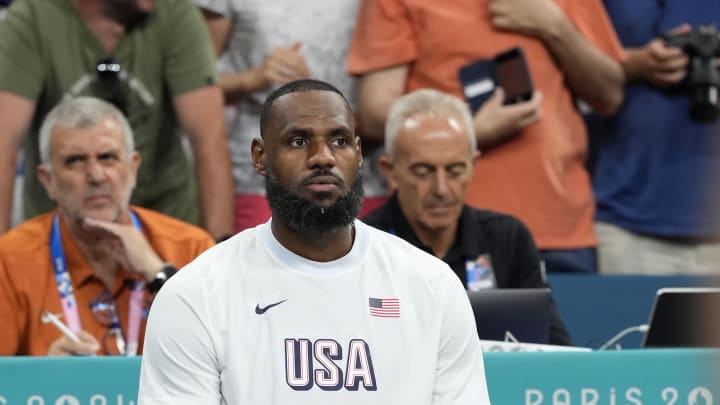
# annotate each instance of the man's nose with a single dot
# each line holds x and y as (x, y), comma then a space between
(321, 155)
(440, 183)
(95, 172)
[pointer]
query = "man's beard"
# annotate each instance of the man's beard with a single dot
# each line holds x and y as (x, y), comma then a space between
(302, 215)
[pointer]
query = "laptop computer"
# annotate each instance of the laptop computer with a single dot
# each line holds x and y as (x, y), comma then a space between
(524, 312)
(684, 317)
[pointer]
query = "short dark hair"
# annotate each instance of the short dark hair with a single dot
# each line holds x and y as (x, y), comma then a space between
(296, 86)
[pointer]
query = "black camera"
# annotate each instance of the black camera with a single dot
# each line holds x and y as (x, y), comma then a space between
(702, 46)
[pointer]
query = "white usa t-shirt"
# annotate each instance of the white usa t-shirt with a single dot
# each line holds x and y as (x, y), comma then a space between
(251, 323)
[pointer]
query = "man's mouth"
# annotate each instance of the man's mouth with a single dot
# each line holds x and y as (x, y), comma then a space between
(322, 184)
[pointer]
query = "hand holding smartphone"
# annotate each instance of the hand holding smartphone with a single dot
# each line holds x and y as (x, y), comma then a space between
(508, 70)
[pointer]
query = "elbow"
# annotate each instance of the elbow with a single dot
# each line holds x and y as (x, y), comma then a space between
(611, 101)
(613, 94)
(371, 121)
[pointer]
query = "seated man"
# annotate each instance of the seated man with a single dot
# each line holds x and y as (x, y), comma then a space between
(430, 147)
(312, 307)
(94, 261)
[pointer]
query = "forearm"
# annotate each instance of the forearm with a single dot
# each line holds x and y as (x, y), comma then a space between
(378, 90)
(215, 185)
(7, 178)
(237, 84)
(592, 75)
(631, 64)
(372, 116)
(201, 116)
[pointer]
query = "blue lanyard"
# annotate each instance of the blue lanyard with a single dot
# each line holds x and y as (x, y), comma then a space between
(64, 283)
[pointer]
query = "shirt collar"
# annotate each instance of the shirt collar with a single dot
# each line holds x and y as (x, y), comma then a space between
(402, 228)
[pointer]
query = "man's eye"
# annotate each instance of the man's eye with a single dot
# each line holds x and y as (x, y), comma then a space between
(339, 142)
(73, 160)
(421, 171)
(456, 171)
(108, 157)
(298, 142)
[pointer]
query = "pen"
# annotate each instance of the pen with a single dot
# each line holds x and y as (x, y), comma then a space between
(50, 317)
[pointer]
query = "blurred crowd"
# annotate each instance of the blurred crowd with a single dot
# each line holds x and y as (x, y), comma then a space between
(606, 162)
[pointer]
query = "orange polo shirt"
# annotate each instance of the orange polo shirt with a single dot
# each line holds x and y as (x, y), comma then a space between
(28, 288)
(539, 175)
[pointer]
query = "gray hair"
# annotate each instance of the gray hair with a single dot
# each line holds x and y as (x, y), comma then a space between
(426, 101)
(81, 112)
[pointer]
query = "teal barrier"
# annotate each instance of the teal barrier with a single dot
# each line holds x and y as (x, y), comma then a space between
(69, 381)
(633, 377)
(629, 377)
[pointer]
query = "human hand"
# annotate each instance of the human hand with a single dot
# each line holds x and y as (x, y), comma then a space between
(656, 63)
(281, 66)
(64, 346)
(530, 17)
(128, 246)
(495, 122)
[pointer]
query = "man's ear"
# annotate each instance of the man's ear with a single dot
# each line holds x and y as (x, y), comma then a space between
(135, 161)
(475, 156)
(358, 144)
(388, 168)
(45, 178)
(259, 157)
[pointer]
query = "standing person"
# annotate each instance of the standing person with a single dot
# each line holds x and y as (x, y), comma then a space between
(430, 148)
(95, 261)
(153, 60)
(313, 306)
(533, 162)
(653, 172)
(263, 45)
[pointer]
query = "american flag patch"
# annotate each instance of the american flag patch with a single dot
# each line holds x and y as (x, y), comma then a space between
(384, 307)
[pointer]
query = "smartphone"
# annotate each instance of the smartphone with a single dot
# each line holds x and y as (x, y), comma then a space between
(513, 75)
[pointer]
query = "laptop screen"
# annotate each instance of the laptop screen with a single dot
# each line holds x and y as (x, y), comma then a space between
(684, 317)
(524, 312)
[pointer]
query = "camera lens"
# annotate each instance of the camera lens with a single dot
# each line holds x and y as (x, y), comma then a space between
(704, 105)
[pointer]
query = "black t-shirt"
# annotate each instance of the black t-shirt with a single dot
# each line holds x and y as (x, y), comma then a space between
(500, 239)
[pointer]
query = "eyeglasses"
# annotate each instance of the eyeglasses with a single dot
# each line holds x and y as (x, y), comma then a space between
(108, 73)
(105, 311)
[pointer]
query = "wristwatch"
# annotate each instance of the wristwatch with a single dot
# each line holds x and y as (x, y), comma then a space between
(161, 277)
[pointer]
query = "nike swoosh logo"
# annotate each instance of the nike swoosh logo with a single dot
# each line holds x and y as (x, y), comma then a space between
(261, 310)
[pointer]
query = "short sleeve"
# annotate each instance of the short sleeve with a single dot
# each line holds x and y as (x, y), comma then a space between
(20, 60)
(205, 244)
(190, 58)
(383, 37)
(593, 22)
(460, 374)
(179, 364)
(222, 7)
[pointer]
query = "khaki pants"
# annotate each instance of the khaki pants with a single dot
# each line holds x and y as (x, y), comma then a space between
(623, 252)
